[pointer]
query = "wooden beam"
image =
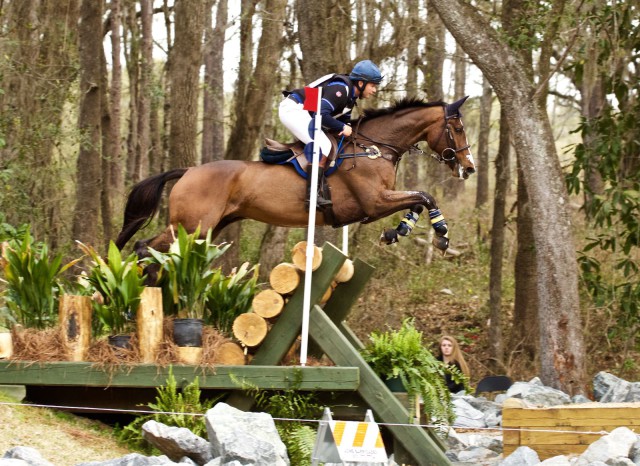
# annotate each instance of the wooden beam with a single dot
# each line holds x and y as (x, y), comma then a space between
(375, 393)
(149, 375)
(344, 297)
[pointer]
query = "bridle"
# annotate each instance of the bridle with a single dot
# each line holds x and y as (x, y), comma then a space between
(447, 155)
(451, 143)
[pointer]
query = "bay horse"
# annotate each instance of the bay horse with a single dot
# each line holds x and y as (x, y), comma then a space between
(219, 193)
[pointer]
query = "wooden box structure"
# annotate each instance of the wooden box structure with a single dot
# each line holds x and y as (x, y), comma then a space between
(563, 430)
(77, 384)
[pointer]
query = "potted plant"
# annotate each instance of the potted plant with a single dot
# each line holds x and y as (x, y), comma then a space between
(400, 355)
(119, 282)
(230, 295)
(185, 275)
(32, 281)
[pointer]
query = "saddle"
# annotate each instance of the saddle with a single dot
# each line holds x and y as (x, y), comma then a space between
(275, 152)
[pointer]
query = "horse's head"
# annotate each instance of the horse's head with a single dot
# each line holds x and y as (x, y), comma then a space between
(452, 146)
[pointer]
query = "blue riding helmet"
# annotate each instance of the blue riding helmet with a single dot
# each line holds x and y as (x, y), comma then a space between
(366, 71)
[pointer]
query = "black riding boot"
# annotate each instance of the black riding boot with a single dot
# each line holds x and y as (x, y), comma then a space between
(322, 202)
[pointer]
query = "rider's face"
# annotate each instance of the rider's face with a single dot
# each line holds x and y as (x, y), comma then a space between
(369, 90)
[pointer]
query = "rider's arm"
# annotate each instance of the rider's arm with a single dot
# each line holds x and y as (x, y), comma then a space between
(334, 99)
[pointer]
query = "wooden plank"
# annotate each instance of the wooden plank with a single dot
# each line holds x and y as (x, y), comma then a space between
(375, 393)
(147, 375)
(530, 437)
(344, 297)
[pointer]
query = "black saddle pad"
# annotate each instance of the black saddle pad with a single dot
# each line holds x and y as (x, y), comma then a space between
(275, 156)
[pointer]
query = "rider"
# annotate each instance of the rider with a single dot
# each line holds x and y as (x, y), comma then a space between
(339, 95)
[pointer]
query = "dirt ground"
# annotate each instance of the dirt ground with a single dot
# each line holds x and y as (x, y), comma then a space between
(61, 439)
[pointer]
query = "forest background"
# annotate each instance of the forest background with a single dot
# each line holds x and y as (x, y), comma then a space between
(96, 96)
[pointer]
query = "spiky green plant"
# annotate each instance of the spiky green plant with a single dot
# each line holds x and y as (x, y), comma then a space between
(120, 282)
(186, 272)
(230, 295)
(33, 282)
(401, 354)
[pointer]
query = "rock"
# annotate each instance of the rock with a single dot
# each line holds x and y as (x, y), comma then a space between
(245, 437)
(466, 415)
(134, 459)
(580, 399)
(633, 394)
(28, 454)
(177, 442)
(12, 462)
(556, 461)
(522, 456)
(607, 388)
(476, 455)
(534, 393)
(616, 444)
(634, 454)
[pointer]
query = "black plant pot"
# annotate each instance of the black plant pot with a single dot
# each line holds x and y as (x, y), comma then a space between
(395, 384)
(120, 341)
(187, 332)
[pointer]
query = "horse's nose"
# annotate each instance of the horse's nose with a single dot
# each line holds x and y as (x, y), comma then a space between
(470, 170)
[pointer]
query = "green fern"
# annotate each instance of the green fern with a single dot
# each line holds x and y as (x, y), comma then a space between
(401, 354)
(173, 407)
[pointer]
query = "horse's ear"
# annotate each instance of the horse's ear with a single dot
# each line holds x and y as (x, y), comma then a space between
(454, 108)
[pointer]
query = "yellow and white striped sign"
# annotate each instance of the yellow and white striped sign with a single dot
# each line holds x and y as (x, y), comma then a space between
(358, 441)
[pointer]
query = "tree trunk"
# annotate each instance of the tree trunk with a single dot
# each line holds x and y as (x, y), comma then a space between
(562, 362)
(113, 153)
(86, 216)
(213, 95)
(143, 145)
(186, 59)
(482, 188)
(496, 339)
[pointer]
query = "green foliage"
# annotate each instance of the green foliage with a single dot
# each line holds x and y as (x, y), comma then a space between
(33, 282)
(229, 296)
(173, 407)
(186, 272)
(401, 354)
(120, 282)
(285, 406)
(610, 149)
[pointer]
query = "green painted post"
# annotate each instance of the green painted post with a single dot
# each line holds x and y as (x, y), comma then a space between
(374, 392)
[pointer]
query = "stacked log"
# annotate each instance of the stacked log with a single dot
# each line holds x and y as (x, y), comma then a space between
(251, 328)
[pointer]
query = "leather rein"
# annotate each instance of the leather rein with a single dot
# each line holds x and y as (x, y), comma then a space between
(395, 158)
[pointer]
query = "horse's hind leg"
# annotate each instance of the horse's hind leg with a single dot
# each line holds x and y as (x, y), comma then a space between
(159, 243)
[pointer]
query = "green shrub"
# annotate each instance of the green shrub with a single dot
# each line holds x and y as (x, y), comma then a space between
(120, 282)
(401, 354)
(173, 407)
(33, 282)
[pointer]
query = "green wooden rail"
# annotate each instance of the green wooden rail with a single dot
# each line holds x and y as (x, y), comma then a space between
(151, 376)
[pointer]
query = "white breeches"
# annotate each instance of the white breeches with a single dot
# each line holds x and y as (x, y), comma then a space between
(298, 121)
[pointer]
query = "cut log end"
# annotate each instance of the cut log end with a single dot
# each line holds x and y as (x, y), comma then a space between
(346, 272)
(250, 329)
(284, 278)
(268, 304)
(229, 354)
(299, 256)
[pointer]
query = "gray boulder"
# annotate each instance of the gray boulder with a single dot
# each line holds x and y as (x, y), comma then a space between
(28, 454)
(617, 444)
(134, 459)
(522, 456)
(250, 438)
(534, 393)
(607, 388)
(177, 442)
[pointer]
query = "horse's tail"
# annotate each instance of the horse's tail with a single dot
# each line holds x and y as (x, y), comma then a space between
(143, 203)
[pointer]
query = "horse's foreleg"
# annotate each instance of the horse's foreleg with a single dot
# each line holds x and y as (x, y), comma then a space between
(416, 201)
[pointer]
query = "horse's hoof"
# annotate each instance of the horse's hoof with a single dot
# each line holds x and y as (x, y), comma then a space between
(441, 242)
(389, 237)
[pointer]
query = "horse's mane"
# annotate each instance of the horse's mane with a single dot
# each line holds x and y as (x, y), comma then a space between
(402, 104)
